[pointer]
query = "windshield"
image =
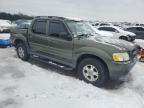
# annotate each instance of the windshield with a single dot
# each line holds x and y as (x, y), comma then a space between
(80, 27)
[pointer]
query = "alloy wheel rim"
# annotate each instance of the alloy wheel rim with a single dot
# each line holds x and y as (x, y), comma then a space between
(21, 52)
(90, 72)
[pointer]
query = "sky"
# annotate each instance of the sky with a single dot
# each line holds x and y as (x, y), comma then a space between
(103, 10)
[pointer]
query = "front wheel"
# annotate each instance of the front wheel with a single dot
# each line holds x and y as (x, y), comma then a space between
(22, 52)
(93, 71)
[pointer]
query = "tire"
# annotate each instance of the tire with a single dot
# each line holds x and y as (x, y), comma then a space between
(22, 52)
(98, 76)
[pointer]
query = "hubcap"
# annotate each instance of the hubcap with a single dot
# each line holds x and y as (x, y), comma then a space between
(21, 52)
(90, 72)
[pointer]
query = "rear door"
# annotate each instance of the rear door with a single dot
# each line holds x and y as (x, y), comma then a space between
(36, 33)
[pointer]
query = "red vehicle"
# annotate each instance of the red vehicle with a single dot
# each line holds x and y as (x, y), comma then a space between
(141, 54)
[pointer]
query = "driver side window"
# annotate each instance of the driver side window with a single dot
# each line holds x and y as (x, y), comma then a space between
(56, 29)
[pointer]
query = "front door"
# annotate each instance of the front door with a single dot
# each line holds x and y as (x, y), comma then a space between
(57, 44)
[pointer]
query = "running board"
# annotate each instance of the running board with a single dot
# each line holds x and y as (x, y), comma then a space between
(50, 62)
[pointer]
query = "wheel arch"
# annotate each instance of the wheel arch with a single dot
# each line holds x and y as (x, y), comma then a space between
(91, 56)
(17, 41)
(123, 38)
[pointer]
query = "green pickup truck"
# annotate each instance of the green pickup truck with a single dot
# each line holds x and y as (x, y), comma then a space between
(74, 44)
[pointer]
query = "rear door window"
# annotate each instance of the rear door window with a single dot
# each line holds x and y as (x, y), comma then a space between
(39, 27)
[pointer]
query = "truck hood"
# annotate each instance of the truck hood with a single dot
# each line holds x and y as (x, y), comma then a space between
(120, 44)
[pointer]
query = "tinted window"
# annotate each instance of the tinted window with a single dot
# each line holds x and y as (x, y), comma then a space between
(140, 29)
(39, 27)
(131, 28)
(56, 28)
(104, 24)
(107, 29)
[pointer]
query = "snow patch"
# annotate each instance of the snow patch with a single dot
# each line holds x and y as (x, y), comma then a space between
(46, 88)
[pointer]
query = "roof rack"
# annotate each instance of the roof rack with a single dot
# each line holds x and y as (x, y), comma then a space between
(52, 17)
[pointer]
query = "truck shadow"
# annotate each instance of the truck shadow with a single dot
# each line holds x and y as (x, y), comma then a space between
(111, 84)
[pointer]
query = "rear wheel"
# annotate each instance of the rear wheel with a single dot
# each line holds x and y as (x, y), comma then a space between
(22, 52)
(93, 71)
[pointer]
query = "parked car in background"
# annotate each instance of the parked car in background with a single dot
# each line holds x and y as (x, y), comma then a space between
(139, 25)
(99, 32)
(5, 26)
(119, 32)
(104, 33)
(5, 37)
(73, 44)
(98, 24)
(138, 30)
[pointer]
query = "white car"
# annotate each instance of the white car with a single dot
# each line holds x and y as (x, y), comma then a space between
(102, 33)
(4, 24)
(5, 33)
(119, 32)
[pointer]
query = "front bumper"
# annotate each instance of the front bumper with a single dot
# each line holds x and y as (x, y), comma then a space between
(5, 42)
(118, 70)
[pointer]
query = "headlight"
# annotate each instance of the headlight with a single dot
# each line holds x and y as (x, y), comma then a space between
(118, 57)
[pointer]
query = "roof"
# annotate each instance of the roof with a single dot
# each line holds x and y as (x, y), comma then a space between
(58, 18)
(50, 17)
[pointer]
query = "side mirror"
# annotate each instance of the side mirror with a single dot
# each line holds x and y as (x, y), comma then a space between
(65, 35)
